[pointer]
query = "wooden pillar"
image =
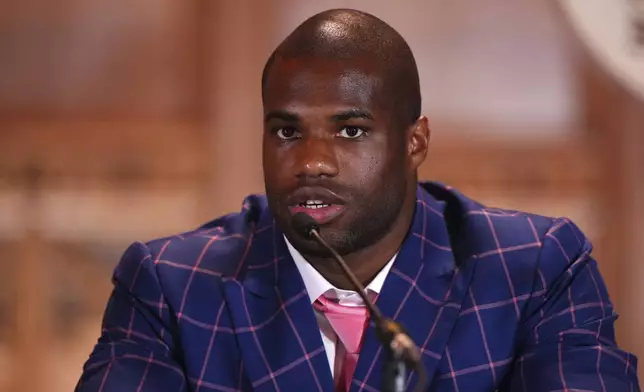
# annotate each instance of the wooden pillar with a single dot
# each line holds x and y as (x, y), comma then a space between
(632, 129)
(33, 315)
(615, 119)
(242, 42)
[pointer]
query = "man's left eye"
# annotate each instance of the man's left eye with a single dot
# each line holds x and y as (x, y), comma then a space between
(351, 132)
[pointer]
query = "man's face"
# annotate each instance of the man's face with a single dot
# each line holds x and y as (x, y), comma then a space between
(329, 150)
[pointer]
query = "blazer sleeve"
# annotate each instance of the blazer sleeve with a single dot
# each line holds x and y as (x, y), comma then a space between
(569, 339)
(135, 349)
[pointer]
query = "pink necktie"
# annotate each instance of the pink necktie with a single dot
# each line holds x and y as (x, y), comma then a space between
(349, 323)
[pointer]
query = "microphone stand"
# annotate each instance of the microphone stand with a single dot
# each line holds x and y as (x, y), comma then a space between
(394, 371)
(400, 351)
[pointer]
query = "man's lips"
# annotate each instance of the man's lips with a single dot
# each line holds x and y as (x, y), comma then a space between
(321, 215)
(314, 194)
(320, 203)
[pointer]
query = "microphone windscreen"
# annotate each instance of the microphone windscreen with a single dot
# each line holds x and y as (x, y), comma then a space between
(304, 224)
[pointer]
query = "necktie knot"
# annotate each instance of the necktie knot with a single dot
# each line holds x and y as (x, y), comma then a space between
(348, 322)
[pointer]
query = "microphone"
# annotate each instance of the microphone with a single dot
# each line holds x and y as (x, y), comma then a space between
(391, 334)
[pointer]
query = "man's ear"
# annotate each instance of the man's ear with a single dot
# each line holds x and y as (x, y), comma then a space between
(418, 142)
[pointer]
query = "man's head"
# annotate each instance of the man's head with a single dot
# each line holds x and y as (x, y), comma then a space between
(342, 129)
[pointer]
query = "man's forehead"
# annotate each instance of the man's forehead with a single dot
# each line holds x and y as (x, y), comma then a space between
(364, 64)
(342, 81)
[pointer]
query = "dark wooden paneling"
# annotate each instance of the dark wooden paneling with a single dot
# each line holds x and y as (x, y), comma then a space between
(536, 168)
(120, 153)
(97, 58)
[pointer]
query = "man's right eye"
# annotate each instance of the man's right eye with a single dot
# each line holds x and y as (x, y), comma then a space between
(287, 133)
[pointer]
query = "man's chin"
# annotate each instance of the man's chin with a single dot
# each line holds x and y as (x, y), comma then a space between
(338, 240)
(309, 247)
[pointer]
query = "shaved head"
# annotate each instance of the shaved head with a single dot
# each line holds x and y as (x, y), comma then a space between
(346, 35)
(342, 128)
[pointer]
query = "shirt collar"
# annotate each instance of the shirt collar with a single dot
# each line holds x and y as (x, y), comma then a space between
(316, 284)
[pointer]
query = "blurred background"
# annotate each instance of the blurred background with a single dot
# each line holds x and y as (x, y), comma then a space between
(127, 120)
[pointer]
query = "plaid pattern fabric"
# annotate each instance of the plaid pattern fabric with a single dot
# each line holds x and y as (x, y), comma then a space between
(496, 299)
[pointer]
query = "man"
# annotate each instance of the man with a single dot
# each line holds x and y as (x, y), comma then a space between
(496, 300)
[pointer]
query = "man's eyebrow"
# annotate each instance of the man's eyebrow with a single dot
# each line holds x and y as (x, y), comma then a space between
(340, 116)
(281, 115)
(351, 114)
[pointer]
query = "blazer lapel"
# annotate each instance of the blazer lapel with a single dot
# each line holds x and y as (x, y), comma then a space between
(423, 291)
(278, 334)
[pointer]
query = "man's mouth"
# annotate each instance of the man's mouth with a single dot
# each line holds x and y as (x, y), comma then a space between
(323, 212)
(314, 204)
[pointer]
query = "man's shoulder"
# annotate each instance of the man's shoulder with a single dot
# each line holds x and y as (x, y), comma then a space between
(216, 247)
(493, 230)
(507, 244)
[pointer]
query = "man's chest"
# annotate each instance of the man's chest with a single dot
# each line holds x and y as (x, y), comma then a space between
(477, 357)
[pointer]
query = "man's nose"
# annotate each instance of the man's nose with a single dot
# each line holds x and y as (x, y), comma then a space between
(316, 158)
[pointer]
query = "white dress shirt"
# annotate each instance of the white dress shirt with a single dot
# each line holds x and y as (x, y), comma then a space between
(316, 285)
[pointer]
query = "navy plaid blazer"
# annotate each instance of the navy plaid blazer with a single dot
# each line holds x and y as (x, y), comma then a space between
(496, 299)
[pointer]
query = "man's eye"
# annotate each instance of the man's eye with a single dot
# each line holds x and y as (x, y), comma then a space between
(351, 132)
(287, 133)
